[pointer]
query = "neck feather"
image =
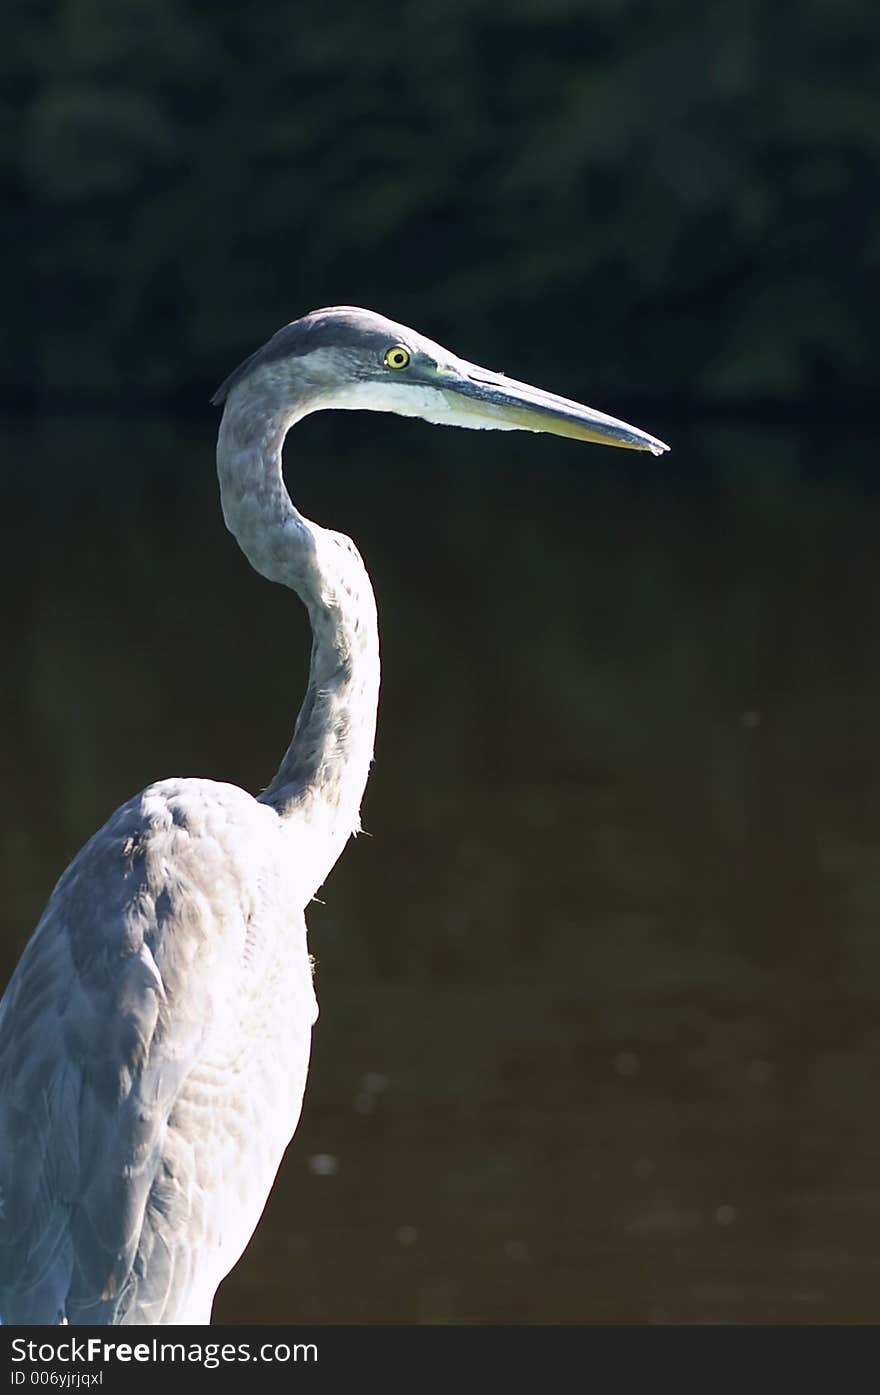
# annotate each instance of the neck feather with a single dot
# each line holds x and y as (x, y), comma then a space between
(321, 779)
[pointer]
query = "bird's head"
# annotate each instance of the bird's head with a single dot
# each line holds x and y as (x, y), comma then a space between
(345, 357)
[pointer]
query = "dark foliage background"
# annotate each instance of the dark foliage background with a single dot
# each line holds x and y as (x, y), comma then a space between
(686, 194)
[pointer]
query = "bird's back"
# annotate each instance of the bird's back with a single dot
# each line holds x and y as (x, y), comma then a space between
(154, 1043)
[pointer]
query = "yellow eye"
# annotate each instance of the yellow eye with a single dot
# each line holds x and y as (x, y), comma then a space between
(397, 357)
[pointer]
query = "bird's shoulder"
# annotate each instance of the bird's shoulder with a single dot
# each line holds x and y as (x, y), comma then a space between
(150, 921)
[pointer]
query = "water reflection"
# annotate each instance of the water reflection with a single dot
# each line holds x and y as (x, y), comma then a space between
(599, 1035)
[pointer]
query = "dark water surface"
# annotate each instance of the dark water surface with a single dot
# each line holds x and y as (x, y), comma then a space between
(600, 1031)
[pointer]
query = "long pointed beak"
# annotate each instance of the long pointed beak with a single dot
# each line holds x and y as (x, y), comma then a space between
(477, 397)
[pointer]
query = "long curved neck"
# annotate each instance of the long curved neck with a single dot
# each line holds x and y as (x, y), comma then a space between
(321, 779)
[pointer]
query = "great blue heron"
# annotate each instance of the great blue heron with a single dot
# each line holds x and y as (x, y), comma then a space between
(154, 1038)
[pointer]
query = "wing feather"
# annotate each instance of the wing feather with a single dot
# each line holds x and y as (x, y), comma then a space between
(130, 969)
